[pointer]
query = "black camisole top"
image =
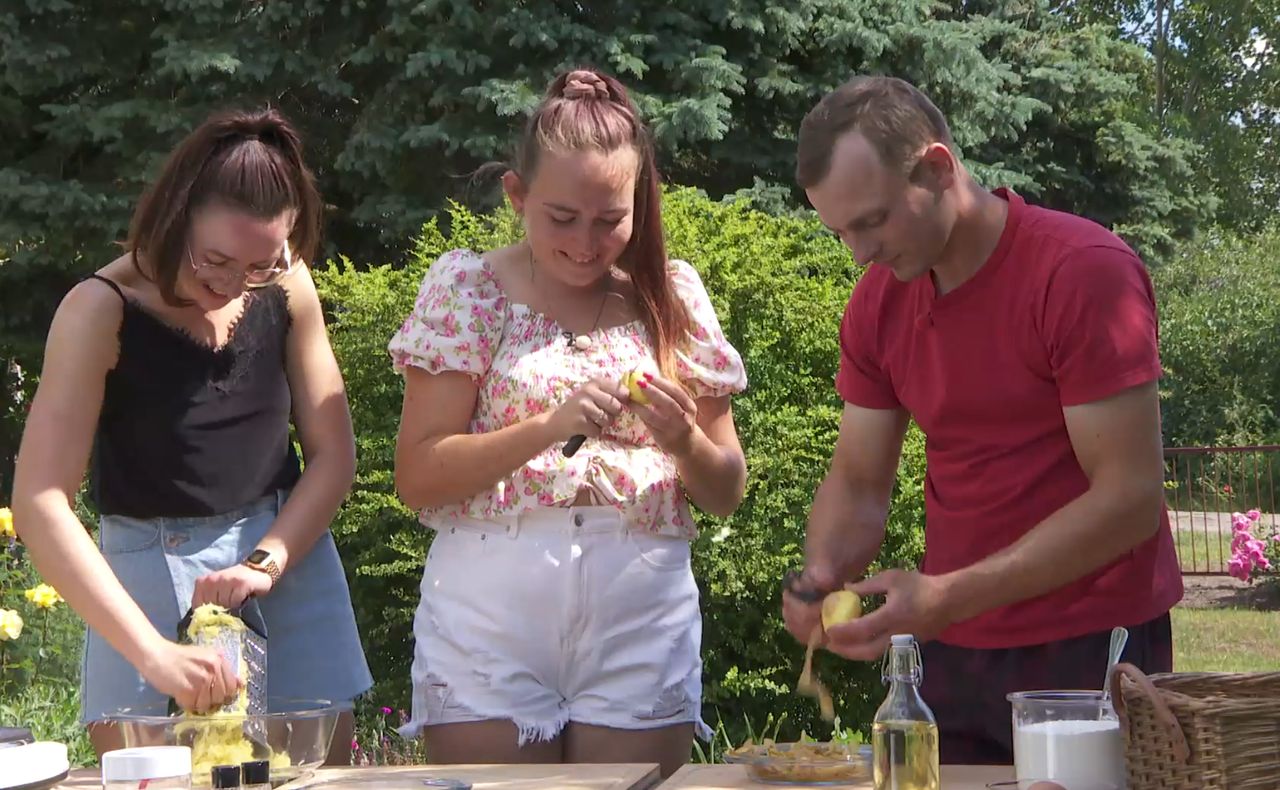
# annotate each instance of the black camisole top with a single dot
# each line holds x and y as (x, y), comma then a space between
(188, 430)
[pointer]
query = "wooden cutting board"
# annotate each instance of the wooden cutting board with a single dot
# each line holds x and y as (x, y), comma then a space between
(482, 777)
(488, 777)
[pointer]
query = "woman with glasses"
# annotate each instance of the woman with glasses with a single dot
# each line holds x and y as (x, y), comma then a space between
(177, 371)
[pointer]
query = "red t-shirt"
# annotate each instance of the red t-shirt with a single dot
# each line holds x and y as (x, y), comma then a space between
(1062, 313)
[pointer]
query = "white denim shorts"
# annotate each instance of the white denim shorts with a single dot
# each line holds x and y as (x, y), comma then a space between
(554, 616)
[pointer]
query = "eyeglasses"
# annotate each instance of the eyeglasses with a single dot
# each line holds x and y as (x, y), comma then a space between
(249, 278)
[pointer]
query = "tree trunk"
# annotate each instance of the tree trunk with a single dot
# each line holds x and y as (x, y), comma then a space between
(10, 426)
(1162, 33)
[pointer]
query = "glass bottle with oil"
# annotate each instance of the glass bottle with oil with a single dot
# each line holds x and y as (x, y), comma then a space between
(904, 734)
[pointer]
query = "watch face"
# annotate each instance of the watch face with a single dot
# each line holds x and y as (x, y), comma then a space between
(258, 557)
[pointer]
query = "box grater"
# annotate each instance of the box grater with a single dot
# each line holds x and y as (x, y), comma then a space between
(244, 646)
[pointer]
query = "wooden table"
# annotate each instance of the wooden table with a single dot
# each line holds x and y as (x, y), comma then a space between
(482, 777)
(580, 777)
(719, 777)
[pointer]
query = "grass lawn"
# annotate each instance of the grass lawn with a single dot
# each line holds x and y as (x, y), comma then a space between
(1225, 640)
(1198, 551)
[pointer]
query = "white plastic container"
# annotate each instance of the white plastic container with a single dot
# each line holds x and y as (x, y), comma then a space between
(149, 767)
(39, 763)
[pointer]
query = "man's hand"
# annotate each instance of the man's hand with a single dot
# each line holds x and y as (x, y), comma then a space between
(914, 604)
(802, 600)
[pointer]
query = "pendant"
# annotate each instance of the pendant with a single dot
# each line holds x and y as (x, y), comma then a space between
(582, 342)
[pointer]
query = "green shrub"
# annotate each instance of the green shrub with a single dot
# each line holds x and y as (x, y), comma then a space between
(1220, 323)
(48, 649)
(40, 669)
(52, 711)
(779, 286)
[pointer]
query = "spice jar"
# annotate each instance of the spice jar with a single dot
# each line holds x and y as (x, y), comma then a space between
(255, 775)
(225, 777)
(150, 767)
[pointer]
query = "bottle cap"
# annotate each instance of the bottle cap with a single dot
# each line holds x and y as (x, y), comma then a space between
(225, 776)
(902, 640)
(146, 762)
(256, 772)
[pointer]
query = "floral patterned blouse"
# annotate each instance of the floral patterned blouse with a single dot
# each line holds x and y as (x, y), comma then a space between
(463, 321)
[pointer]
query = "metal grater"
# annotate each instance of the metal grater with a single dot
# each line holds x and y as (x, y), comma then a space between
(244, 649)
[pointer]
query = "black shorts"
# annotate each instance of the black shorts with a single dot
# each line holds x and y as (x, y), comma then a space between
(966, 688)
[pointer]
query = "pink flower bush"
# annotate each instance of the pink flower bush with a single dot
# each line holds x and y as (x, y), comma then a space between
(1251, 543)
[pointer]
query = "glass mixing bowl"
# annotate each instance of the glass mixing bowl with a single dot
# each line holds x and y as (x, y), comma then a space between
(294, 735)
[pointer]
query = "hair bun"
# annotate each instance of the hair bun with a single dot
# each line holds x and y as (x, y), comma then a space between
(583, 84)
(267, 126)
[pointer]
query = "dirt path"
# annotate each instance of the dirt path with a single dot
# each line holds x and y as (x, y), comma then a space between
(1224, 592)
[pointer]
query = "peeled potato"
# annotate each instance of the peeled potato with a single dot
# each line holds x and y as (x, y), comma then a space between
(631, 380)
(839, 607)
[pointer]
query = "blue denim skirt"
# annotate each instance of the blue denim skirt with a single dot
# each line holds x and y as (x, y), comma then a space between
(313, 645)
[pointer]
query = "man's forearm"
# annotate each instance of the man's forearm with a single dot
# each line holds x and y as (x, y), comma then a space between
(1080, 537)
(846, 529)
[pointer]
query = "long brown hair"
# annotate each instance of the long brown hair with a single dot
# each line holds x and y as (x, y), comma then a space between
(585, 110)
(249, 161)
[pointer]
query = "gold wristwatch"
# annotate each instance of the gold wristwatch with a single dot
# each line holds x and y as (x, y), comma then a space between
(261, 560)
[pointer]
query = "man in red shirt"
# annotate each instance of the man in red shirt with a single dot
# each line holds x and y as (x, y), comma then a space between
(1023, 342)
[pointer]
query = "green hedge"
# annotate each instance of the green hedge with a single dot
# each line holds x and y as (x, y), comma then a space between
(1220, 339)
(779, 286)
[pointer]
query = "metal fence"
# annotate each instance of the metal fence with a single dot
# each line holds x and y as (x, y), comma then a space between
(1204, 486)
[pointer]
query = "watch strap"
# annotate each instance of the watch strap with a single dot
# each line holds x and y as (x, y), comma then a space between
(268, 567)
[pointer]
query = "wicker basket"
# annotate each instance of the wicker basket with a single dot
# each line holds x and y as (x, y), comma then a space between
(1199, 731)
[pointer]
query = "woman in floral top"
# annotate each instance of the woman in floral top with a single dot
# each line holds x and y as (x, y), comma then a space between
(559, 618)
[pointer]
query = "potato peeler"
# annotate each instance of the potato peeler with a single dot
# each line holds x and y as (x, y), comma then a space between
(794, 583)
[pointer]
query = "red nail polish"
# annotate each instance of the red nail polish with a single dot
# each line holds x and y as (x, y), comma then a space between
(648, 376)
(643, 384)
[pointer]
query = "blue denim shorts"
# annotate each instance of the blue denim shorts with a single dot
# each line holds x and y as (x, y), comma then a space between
(313, 645)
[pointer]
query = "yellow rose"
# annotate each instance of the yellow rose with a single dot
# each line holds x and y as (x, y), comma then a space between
(6, 523)
(10, 625)
(44, 596)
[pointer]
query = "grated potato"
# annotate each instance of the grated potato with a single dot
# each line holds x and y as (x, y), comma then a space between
(218, 737)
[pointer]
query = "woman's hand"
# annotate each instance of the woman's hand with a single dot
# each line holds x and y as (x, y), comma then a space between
(231, 587)
(671, 414)
(589, 410)
(198, 678)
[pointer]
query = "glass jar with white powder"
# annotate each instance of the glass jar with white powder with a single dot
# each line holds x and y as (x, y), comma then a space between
(1068, 737)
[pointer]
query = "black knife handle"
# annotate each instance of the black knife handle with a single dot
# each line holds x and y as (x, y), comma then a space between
(792, 582)
(571, 446)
